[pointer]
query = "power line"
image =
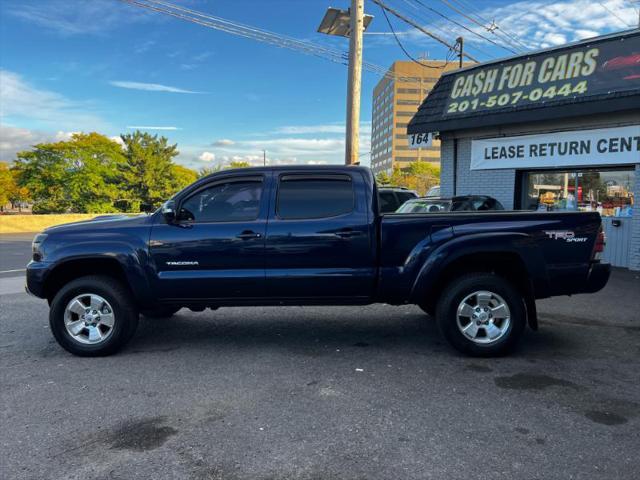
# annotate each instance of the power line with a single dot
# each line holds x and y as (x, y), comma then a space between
(422, 15)
(491, 27)
(465, 27)
(614, 14)
(247, 31)
(384, 12)
(423, 30)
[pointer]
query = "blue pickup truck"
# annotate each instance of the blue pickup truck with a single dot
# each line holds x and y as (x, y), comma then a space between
(310, 236)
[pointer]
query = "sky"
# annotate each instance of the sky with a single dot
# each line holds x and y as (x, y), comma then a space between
(104, 65)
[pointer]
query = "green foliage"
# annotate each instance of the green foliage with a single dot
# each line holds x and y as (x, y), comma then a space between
(204, 171)
(147, 173)
(239, 165)
(419, 176)
(182, 176)
(7, 184)
(80, 175)
(92, 174)
(383, 178)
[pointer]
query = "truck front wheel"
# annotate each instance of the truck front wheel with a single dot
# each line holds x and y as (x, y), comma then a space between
(481, 314)
(93, 316)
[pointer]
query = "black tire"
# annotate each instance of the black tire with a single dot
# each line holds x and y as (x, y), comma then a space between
(124, 311)
(453, 295)
(160, 312)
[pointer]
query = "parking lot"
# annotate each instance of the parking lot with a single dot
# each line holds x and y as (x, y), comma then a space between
(320, 393)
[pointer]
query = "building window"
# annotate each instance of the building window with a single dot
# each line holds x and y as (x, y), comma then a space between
(609, 192)
(407, 102)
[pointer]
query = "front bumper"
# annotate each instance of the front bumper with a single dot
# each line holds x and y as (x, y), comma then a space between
(36, 274)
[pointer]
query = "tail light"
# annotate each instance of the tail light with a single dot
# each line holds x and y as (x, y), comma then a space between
(598, 247)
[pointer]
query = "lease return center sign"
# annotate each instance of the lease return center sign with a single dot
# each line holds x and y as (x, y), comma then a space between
(605, 146)
(585, 70)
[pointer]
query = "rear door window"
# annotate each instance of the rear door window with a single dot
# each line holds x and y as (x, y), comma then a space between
(301, 197)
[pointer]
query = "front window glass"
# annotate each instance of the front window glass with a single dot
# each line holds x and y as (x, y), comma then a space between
(224, 202)
(609, 192)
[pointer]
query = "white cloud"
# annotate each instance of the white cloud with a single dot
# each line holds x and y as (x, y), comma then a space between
(149, 87)
(144, 46)
(207, 157)
(20, 101)
(304, 129)
(535, 23)
(543, 24)
(145, 127)
(15, 139)
(223, 142)
(65, 17)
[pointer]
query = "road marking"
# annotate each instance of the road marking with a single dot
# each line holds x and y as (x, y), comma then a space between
(14, 271)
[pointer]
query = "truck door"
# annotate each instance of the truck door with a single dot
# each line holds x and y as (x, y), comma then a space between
(320, 237)
(215, 249)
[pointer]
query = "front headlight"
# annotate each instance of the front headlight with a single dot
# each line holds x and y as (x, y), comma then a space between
(38, 254)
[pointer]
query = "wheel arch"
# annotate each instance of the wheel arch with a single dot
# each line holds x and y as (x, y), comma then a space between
(72, 269)
(502, 258)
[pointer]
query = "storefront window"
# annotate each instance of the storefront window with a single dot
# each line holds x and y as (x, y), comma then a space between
(609, 192)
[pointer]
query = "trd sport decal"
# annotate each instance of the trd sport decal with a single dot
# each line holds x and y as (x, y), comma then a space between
(566, 235)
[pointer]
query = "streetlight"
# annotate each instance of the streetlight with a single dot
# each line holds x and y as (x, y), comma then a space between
(343, 23)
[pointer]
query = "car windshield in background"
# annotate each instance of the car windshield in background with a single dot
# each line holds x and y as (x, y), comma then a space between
(455, 204)
(425, 206)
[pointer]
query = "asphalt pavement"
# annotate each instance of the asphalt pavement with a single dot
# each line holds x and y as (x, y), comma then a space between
(324, 393)
(15, 253)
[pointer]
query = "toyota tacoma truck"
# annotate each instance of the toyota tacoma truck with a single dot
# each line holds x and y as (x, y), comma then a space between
(310, 235)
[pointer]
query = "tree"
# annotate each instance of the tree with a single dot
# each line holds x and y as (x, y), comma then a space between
(418, 176)
(183, 176)
(383, 178)
(204, 171)
(238, 164)
(148, 170)
(79, 175)
(7, 184)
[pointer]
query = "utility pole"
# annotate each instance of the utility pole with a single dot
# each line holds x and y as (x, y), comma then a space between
(354, 81)
(460, 43)
(264, 158)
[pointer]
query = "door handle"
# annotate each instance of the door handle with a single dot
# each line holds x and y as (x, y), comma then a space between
(347, 233)
(247, 234)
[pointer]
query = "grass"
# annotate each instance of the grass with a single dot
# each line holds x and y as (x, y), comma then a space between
(37, 223)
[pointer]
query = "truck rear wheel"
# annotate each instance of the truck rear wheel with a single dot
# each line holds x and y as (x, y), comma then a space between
(481, 314)
(93, 316)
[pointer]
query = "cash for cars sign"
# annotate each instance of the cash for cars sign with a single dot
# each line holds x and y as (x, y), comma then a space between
(599, 68)
(605, 146)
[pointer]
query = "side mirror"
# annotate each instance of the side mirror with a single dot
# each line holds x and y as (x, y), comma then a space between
(169, 211)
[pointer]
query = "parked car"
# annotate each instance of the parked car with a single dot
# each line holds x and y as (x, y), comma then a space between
(310, 235)
(433, 191)
(390, 198)
(454, 204)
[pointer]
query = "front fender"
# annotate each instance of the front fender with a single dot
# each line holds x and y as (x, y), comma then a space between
(520, 244)
(132, 259)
